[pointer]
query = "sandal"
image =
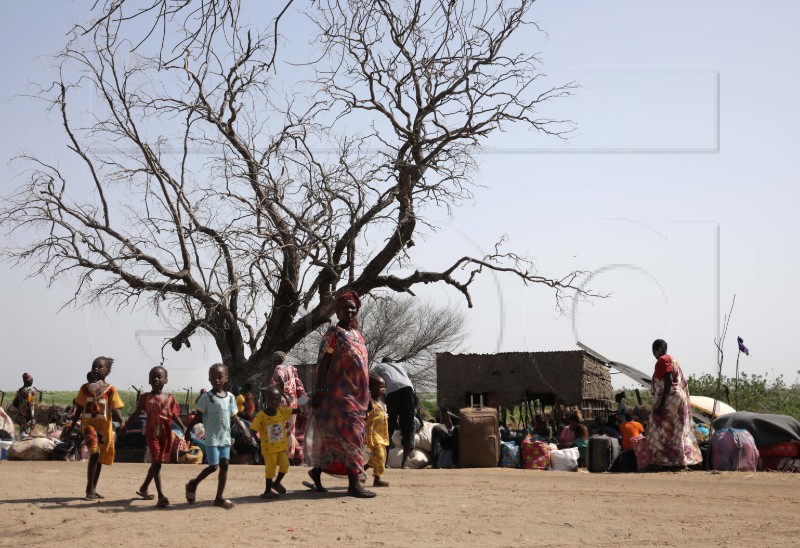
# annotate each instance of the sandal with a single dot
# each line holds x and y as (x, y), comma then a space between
(360, 493)
(314, 487)
(145, 495)
(227, 504)
(190, 495)
(163, 502)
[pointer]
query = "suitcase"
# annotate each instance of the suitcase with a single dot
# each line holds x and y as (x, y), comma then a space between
(479, 437)
(602, 453)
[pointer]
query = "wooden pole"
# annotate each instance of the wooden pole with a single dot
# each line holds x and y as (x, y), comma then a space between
(736, 384)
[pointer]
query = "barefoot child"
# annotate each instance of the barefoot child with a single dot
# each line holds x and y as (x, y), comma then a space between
(377, 435)
(97, 404)
(271, 425)
(160, 410)
(215, 409)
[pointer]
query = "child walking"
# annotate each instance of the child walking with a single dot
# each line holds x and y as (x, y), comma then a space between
(98, 404)
(377, 434)
(160, 411)
(271, 426)
(215, 409)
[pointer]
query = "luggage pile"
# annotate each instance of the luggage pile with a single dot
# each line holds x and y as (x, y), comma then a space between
(773, 441)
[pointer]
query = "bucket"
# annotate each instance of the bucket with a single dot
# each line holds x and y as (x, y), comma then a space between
(4, 445)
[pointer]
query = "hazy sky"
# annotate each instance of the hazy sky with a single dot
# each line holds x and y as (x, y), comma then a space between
(686, 123)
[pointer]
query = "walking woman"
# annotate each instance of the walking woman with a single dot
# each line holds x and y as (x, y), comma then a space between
(335, 436)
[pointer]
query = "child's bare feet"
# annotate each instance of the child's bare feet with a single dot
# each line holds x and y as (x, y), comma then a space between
(378, 482)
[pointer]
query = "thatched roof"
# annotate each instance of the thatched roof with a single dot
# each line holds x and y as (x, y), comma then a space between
(572, 376)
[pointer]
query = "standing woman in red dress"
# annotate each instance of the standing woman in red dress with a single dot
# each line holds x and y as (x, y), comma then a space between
(335, 438)
(670, 430)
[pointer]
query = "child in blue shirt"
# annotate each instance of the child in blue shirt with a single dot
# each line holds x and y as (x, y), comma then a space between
(215, 409)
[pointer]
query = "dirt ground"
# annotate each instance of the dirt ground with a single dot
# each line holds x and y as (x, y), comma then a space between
(40, 504)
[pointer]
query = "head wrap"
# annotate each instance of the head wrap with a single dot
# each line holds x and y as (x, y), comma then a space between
(348, 296)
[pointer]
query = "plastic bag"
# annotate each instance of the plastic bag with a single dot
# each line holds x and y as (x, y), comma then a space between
(565, 460)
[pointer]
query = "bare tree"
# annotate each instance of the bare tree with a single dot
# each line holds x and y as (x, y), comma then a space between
(412, 331)
(213, 189)
(407, 329)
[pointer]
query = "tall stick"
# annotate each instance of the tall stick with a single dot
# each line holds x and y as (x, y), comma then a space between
(720, 358)
(736, 384)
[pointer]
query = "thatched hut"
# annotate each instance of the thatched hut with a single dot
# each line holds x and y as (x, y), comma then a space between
(572, 378)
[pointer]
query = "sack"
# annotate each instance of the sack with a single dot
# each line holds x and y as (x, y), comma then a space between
(535, 454)
(31, 449)
(416, 459)
(603, 451)
(422, 437)
(193, 456)
(565, 460)
(734, 449)
(509, 454)
(644, 456)
(785, 449)
(7, 424)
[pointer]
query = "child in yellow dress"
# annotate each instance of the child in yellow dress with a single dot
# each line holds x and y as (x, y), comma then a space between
(377, 435)
(271, 426)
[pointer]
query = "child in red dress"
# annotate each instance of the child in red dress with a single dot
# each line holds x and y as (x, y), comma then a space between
(160, 410)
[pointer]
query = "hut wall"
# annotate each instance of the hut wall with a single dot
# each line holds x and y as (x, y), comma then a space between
(596, 380)
(511, 377)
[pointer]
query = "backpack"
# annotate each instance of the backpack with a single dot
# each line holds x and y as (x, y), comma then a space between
(734, 449)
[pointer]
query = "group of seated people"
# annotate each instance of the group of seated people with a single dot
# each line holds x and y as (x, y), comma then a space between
(575, 433)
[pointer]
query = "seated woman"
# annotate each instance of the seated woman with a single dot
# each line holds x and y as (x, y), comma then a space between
(575, 435)
(540, 429)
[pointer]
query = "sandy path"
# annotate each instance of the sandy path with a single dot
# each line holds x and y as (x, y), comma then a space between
(495, 507)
